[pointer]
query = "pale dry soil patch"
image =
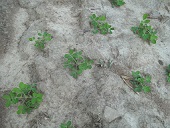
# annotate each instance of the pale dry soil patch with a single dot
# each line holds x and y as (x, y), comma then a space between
(98, 98)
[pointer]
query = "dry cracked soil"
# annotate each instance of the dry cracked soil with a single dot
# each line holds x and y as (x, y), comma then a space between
(99, 98)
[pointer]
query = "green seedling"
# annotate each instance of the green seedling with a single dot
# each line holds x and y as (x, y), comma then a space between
(168, 73)
(117, 3)
(66, 125)
(26, 95)
(100, 25)
(140, 83)
(77, 63)
(41, 40)
(145, 31)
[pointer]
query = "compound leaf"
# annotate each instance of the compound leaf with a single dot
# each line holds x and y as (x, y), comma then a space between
(148, 79)
(33, 100)
(71, 51)
(30, 39)
(145, 16)
(138, 89)
(95, 31)
(8, 103)
(6, 97)
(39, 34)
(146, 89)
(102, 18)
(22, 86)
(68, 123)
(168, 79)
(16, 90)
(146, 21)
(20, 109)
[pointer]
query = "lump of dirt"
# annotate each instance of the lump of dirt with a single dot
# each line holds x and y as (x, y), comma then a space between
(40, 120)
(96, 122)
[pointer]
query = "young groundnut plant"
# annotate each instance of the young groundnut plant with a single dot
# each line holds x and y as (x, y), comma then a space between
(140, 83)
(26, 96)
(145, 31)
(100, 25)
(76, 62)
(117, 3)
(68, 124)
(41, 40)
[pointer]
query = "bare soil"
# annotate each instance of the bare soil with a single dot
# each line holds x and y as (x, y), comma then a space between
(99, 98)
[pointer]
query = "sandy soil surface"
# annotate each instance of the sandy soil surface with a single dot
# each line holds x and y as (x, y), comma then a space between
(98, 98)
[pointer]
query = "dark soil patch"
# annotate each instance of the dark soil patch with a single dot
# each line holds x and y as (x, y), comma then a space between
(2, 112)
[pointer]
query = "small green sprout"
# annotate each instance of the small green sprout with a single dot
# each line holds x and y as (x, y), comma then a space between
(66, 125)
(117, 3)
(77, 63)
(168, 73)
(26, 95)
(100, 26)
(145, 31)
(140, 83)
(41, 40)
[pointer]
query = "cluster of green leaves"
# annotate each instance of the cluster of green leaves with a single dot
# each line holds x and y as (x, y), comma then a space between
(145, 31)
(100, 25)
(117, 3)
(140, 83)
(26, 95)
(168, 73)
(66, 125)
(41, 40)
(76, 62)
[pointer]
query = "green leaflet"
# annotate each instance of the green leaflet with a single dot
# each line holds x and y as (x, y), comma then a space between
(41, 40)
(146, 89)
(21, 109)
(68, 124)
(117, 3)
(26, 95)
(145, 31)
(145, 16)
(168, 73)
(136, 74)
(139, 83)
(99, 25)
(76, 63)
